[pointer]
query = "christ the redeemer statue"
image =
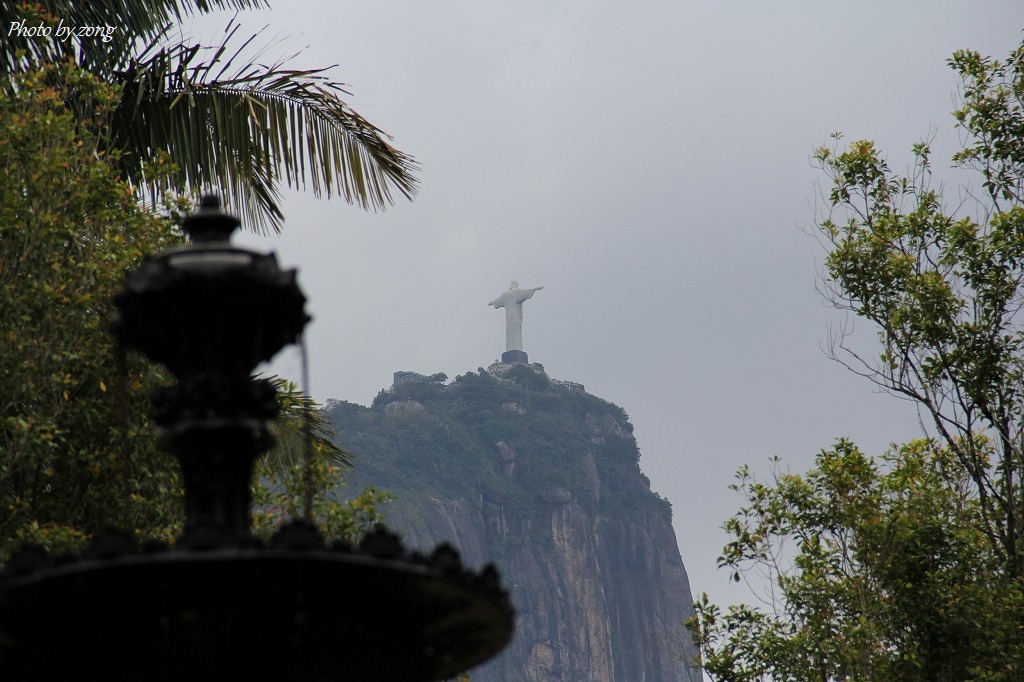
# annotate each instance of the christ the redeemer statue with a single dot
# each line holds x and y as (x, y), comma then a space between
(512, 302)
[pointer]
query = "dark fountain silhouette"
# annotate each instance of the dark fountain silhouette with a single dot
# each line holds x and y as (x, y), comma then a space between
(218, 604)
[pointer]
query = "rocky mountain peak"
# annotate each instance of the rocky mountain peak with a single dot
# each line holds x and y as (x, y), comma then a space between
(543, 479)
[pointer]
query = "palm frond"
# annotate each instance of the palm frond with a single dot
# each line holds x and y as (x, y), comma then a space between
(299, 426)
(247, 133)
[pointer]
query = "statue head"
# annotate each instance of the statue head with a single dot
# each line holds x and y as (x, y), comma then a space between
(514, 285)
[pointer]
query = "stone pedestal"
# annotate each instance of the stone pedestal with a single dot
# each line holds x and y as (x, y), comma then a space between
(514, 357)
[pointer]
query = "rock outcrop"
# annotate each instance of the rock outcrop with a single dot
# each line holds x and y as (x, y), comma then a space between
(545, 482)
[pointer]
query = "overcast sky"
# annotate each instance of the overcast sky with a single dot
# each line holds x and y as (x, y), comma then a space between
(648, 163)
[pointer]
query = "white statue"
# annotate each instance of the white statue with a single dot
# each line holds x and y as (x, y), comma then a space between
(512, 302)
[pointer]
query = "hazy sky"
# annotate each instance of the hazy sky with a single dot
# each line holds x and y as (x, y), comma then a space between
(648, 163)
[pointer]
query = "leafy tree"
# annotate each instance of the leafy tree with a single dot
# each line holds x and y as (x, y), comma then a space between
(944, 289)
(303, 476)
(281, 496)
(912, 567)
(878, 570)
(77, 450)
(241, 129)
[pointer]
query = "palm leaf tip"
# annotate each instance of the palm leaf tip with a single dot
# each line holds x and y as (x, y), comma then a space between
(247, 134)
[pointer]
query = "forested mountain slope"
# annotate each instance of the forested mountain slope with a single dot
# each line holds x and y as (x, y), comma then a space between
(544, 480)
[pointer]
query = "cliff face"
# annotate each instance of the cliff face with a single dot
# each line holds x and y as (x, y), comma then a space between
(544, 481)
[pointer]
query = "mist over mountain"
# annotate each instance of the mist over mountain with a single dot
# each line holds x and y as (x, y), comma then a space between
(543, 479)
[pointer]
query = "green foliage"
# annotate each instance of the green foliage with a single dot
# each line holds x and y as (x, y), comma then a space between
(302, 477)
(280, 497)
(990, 113)
(527, 378)
(944, 289)
(230, 124)
(300, 426)
(76, 449)
(912, 567)
(878, 571)
(424, 437)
